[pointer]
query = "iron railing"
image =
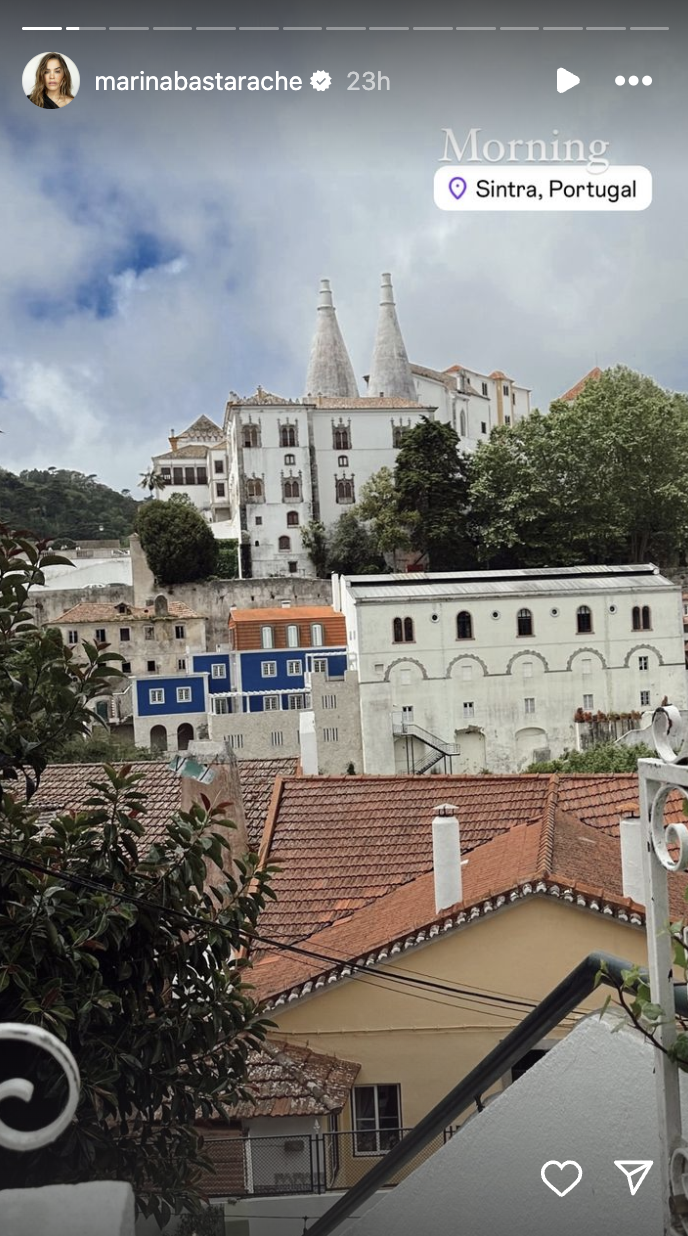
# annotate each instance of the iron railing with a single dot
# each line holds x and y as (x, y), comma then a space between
(300, 1162)
(404, 1157)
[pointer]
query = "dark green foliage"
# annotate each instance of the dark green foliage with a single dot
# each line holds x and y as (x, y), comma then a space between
(210, 1223)
(315, 542)
(604, 758)
(96, 940)
(101, 747)
(227, 560)
(431, 488)
(59, 503)
(351, 548)
(44, 692)
(600, 479)
(178, 543)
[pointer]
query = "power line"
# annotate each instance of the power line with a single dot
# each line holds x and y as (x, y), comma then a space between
(248, 938)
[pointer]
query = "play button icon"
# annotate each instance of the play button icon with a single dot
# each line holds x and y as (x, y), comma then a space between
(566, 80)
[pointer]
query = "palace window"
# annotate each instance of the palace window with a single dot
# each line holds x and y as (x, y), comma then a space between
(468, 710)
(291, 489)
(220, 489)
(250, 436)
(398, 433)
(267, 637)
(284, 542)
(641, 618)
(293, 567)
(643, 664)
(341, 438)
(201, 476)
(190, 476)
(218, 467)
(483, 426)
(587, 703)
(254, 489)
(464, 625)
(529, 704)
(402, 631)
(178, 476)
(644, 699)
(289, 461)
(344, 490)
(342, 461)
(289, 435)
(524, 622)
(505, 388)
(484, 388)
(583, 620)
(376, 1118)
(292, 519)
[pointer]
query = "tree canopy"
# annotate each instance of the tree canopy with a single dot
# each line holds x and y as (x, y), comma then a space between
(113, 938)
(178, 543)
(431, 487)
(603, 758)
(64, 504)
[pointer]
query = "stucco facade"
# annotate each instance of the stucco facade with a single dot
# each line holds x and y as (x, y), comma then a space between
(496, 664)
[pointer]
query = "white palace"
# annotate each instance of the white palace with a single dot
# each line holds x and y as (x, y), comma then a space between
(275, 464)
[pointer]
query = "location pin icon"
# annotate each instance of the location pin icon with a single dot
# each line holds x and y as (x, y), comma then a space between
(457, 187)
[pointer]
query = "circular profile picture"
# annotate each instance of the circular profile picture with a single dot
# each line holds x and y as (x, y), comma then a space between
(50, 80)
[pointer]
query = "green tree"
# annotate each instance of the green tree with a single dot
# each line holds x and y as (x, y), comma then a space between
(377, 506)
(227, 560)
(117, 945)
(431, 484)
(178, 543)
(101, 747)
(315, 543)
(601, 479)
(603, 758)
(351, 550)
(60, 503)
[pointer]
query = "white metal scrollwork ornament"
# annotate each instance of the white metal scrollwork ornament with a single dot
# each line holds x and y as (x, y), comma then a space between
(20, 1088)
(670, 736)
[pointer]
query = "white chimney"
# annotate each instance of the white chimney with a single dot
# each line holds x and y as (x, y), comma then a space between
(632, 859)
(308, 744)
(446, 857)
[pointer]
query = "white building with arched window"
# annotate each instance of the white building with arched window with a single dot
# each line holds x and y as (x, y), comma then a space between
(496, 669)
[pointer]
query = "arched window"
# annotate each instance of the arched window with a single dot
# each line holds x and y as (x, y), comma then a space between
(636, 618)
(524, 622)
(317, 635)
(292, 489)
(402, 630)
(645, 618)
(464, 625)
(292, 636)
(341, 438)
(462, 423)
(250, 435)
(288, 435)
(583, 619)
(284, 542)
(292, 519)
(267, 637)
(343, 461)
(254, 489)
(289, 461)
(345, 492)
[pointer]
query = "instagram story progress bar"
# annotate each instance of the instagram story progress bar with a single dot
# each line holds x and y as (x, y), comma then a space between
(555, 187)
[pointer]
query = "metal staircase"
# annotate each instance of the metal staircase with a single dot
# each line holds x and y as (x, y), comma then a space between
(403, 728)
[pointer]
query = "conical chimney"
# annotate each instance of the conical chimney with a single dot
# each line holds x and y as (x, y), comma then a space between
(329, 371)
(390, 372)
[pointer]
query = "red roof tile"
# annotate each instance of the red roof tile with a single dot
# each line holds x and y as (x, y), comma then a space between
(592, 376)
(289, 1080)
(101, 611)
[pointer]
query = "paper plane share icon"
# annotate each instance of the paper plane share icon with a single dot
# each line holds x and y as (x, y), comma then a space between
(635, 1171)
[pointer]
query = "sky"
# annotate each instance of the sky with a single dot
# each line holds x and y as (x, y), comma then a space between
(161, 250)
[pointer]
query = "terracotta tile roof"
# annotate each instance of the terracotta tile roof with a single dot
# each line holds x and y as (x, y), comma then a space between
(199, 451)
(100, 611)
(295, 1081)
(246, 625)
(557, 856)
(277, 613)
(202, 424)
(341, 843)
(442, 376)
(592, 376)
(66, 787)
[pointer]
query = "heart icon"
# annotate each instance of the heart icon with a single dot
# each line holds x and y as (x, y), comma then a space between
(457, 187)
(561, 1166)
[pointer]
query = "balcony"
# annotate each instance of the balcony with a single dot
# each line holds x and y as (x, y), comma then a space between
(248, 1166)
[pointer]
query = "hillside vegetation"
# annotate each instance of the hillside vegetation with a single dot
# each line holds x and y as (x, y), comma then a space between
(57, 502)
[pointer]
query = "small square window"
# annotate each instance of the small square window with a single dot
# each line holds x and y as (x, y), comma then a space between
(643, 663)
(294, 668)
(293, 567)
(218, 671)
(587, 703)
(72, 637)
(179, 632)
(126, 667)
(320, 665)
(218, 467)
(181, 663)
(297, 702)
(100, 635)
(220, 489)
(468, 710)
(645, 699)
(529, 704)
(124, 634)
(156, 696)
(268, 669)
(183, 695)
(259, 520)
(150, 667)
(149, 632)
(272, 703)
